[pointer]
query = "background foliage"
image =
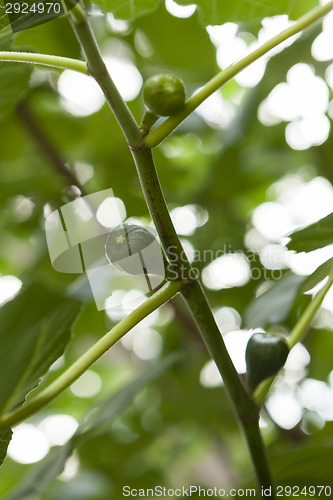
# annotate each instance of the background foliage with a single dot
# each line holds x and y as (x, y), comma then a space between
(178, 430)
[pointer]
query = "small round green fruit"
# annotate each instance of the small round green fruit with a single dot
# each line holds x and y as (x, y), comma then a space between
(134, 250)
(265, 354)
(164, 94)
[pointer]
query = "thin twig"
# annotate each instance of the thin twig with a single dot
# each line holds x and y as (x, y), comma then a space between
(43, 141)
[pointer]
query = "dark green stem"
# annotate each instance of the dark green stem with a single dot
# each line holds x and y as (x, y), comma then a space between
(244, 406)
(196, 300)
(147, 122)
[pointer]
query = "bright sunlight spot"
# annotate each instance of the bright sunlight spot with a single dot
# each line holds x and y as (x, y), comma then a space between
(217, 111)
(147, 343)
(314, 394)
(179, 10)
(210, 376)
(295, 366)
(227, 318)
(81, 94)
(298, 203)
(232, 46)
(84, 172)
(71, 468)
(20, 208)
(322, 47)
(226, 272)
(307, 132)
(272, 220)
(9, 287)
(186, 219)
(125, 76)
(88, 385)
(117, 25)
(284, 408)
(329, 75)
(236, 342)
(303, 101)
(111, 212)
(58, 428)
(28, 444)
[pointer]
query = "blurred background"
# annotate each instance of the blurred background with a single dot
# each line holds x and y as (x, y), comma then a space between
(253, 163)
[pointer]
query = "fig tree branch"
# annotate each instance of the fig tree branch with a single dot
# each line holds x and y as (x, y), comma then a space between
(163, 295)
(55, 62)
(45, 144)
(156, 136)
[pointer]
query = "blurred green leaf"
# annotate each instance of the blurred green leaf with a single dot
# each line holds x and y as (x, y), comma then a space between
(197, 56)
(14, 79)
(118, 402)
(305, 465)
(35, 328)
(317, 235)
(274, 305)
(127, 9)
(248, 11)
(5, 437)
(45, 473)
(317, 276)
(42, 475)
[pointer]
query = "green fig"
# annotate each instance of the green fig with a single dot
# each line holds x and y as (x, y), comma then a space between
(134, 250)
(265, 354)
(164, 94)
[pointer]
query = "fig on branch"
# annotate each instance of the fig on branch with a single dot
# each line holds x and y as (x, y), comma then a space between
(164, 94)
(134, 250)
(265, 354)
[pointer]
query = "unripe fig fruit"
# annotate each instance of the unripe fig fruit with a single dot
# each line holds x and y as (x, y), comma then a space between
(164, 94)
(134, 250)
(265, 354)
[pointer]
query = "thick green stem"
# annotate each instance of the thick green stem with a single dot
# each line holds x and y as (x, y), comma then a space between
(244, 406)
(56, 62)
(179, 264)
(194, 295)
(98, 70)
(147, 122)
(162, 296)
(296, 335)
(160, 133)
(196, 300)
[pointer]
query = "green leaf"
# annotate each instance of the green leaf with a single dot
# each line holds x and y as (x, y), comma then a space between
(317, 276)
(248, 11)
(317, 235)
(117, 403)
(45, 473)
(4, 21)
(128, 9)
(35, 483)
(14, 80)
(168, 57)
(305, 465)
(5, 437)
(273, 306)
(34, 331)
